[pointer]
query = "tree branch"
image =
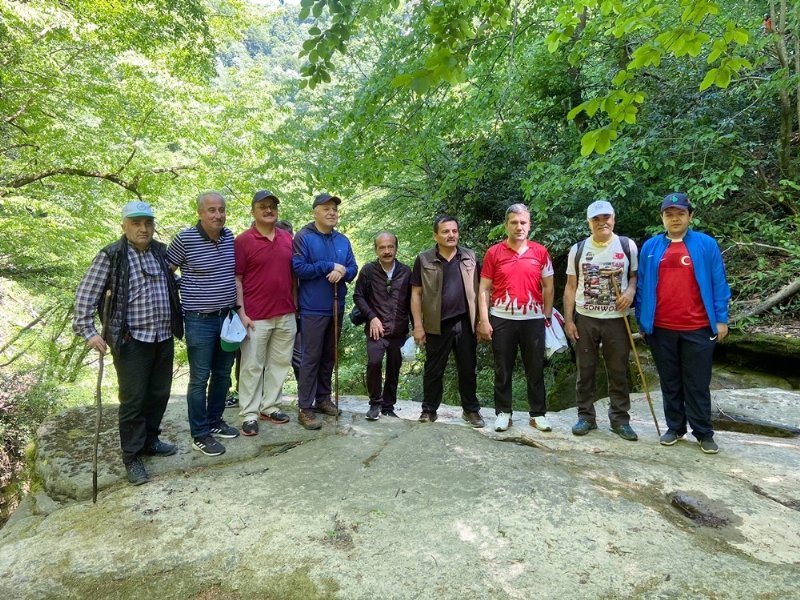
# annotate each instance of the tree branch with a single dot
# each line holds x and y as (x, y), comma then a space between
(785, 292)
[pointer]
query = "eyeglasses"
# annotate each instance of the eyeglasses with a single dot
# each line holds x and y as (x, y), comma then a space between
(388, 286)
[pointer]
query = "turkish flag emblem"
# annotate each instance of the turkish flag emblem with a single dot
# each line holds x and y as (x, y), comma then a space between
(619, 255)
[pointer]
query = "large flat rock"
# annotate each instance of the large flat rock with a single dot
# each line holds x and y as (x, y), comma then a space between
(398, 509)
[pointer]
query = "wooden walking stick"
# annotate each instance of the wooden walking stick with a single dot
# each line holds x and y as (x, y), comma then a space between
(336, 348)
(99, 395)
(611, 275)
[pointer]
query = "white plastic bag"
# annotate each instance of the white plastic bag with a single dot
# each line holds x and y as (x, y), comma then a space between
(409, 350)
(233, 332)
(554, 338)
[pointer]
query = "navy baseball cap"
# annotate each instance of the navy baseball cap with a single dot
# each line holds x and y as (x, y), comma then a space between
(676, 200)
(323, 198)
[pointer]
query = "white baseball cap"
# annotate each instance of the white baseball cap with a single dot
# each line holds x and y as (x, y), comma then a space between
(599, 207)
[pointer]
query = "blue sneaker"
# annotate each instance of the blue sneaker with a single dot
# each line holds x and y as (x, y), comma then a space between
(582, 427)
(625, 432)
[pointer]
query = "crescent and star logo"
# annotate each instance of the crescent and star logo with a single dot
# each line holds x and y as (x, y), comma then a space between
(685, 260)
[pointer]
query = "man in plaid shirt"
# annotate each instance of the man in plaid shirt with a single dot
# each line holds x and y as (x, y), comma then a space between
(144, 316)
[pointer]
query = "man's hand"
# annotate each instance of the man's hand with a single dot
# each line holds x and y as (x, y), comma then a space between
(97, 343)
(247, 322)
(625, 300)
(571, 331)
(485, 331)
(419, 335)
(337, 274)
(722, 331)
(375, 329)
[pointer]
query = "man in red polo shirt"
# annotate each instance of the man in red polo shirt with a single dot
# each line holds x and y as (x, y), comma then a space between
(515, 298)
(265, 294)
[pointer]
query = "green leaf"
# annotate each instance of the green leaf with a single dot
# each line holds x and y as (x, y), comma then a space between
(708, 80)
(576, 111)
(314, 30)
(723, 77)
(304, 12)
(317, 10)
(588, 142)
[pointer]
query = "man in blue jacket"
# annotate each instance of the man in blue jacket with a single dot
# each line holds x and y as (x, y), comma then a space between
(682, 307)
(323, 262)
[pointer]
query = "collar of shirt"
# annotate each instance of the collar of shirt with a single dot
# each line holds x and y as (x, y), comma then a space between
(204, 234)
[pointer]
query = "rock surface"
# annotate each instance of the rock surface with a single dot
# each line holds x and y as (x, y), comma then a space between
(398, 509)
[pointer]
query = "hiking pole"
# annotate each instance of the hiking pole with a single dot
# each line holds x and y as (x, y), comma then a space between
(336, 348)
(611, 275)
(99, 396)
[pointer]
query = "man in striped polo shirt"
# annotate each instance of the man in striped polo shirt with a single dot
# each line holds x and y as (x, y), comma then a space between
(204, 255)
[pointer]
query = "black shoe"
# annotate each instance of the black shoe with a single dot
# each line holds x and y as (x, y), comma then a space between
(137, 474)
(374, 412)
(232, 399)
(388, 412)
(223, 430)
(159, 448)
(208, 446)
(250, 428)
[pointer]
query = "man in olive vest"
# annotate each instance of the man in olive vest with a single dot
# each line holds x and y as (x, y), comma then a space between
(444, 287)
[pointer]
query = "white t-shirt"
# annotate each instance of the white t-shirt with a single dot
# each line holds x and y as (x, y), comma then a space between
(595, 296)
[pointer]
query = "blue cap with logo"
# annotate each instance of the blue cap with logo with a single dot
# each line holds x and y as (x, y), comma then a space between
(676, 200)
(137, 209)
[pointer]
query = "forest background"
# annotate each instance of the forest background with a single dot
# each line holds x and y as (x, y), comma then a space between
(406, 110)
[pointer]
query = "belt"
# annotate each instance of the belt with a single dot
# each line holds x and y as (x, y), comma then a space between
(222, 312)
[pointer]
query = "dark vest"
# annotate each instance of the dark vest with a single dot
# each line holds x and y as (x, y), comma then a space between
(118, 284)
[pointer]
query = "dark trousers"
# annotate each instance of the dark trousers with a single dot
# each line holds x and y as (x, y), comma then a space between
(297, 352)
(528, 336)
(456, 336)
(683, 360)
(616, 350)
(376, 350)
(317, 361)
(144, 377)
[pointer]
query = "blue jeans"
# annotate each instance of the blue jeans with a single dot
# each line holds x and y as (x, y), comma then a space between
(207, 361)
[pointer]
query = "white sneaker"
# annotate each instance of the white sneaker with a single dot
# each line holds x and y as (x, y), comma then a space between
(541, 423)
(502, 422)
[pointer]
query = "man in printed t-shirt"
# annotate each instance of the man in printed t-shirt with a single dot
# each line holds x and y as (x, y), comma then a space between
(594, 316)
(682, 300)
(515, 298)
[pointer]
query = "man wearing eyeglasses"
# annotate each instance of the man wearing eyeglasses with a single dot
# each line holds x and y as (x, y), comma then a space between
(144, 317)
(383, 295)
(265, 294)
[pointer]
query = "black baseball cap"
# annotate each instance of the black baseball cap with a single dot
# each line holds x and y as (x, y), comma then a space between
(263, 195)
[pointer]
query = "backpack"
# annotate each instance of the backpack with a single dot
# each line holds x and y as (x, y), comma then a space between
(355, 316)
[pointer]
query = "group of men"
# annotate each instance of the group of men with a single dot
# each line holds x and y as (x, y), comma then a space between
(262, 276)
(268, 278)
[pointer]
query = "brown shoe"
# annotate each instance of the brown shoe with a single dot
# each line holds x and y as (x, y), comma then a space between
(309, 419)
(326, 407)
(473, 418)
(428, 417)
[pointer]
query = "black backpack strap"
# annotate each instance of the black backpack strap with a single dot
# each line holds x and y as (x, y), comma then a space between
(578, 252)
(626, 248)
